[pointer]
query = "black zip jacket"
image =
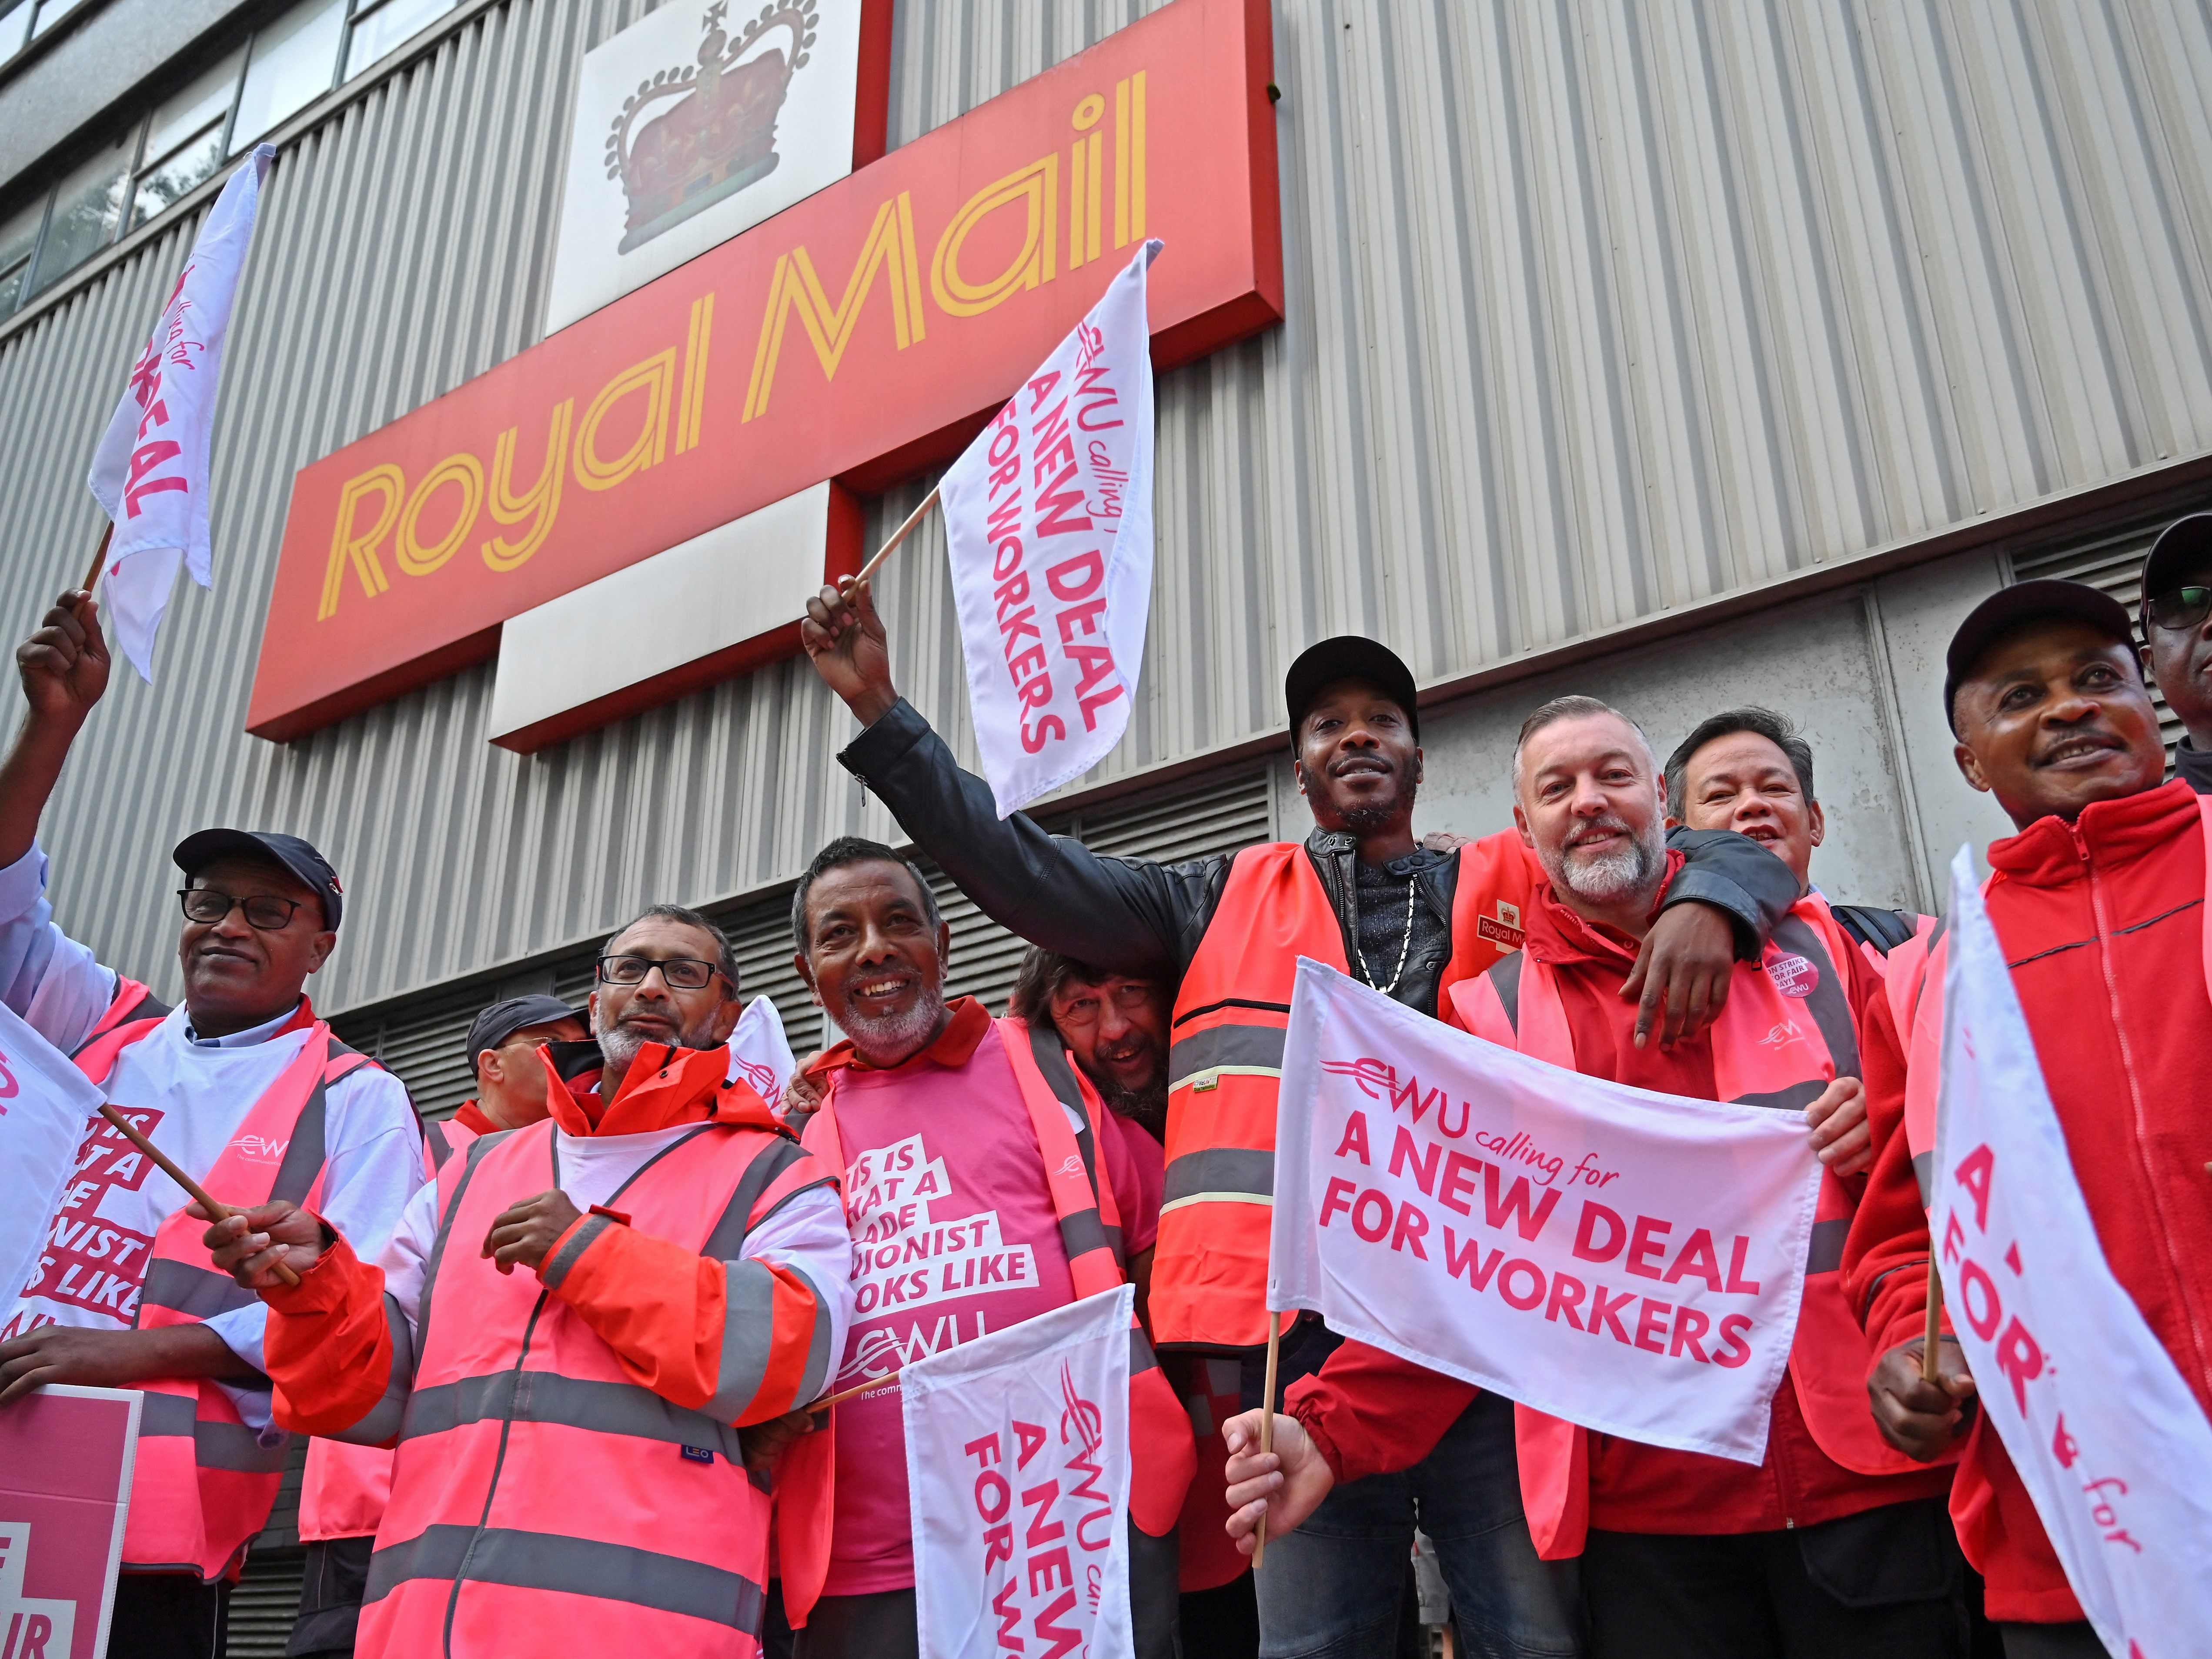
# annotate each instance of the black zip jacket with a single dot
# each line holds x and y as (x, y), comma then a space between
(1127, 916)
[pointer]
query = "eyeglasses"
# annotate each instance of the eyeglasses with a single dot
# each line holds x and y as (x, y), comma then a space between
(677, 973)
(2179, 608)
(263, 911)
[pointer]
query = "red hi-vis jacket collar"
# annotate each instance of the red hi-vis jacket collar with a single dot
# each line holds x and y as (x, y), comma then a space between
(664, 1087)
(953, 1047)
(1559, 933)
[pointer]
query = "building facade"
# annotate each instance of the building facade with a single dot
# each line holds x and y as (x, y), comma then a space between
(1686, 356)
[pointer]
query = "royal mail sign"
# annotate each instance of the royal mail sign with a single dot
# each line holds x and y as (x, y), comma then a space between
(855, 338)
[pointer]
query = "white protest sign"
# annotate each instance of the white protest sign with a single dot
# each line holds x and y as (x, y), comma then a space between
(1018, 1461)
(760, 1052)
(150, 471)
(1627, 1261)
(2107, 1437)
(1048, 525)
(45, 1103)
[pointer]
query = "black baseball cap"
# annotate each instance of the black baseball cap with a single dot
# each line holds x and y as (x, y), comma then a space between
(204, 847)
(2183, 543)
(503, 1019)
(1348, 657)
(2007, 609)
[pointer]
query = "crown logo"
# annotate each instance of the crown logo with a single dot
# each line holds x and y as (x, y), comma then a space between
(693, 135)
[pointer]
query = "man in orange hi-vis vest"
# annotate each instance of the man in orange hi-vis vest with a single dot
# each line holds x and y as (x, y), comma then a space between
(567, 1331)
(1830, 1548)
(1362, 895)
(245, 1089)
(344, 1488)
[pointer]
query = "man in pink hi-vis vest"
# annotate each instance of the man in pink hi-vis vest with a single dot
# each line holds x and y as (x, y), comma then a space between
(247, 1090)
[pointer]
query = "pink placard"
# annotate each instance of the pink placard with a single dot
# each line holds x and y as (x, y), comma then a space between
(65, 1462)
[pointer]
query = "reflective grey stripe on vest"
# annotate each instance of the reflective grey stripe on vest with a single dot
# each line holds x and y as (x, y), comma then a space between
(1141, 1357)
(196, 1292)
(1830, 1009)
(528, 1396)
(387, 1415)
(1086, 1230)
(727, 1240)
(215, 1445)
(572, 1250)
(1823, 1250)
(579, 1567)
(1234, 1175)
(1505, 979)
(1245, 1050)
(1923, 1175)
(303, 1153)
(434, 1137)
(749, 1338)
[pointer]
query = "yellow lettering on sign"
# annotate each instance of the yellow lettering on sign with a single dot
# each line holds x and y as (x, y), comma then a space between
(358, 547)
(794, 289)
(1036, 188)
(1129, 161)
(655, 378)
(540, 503)
(466, 472)
(1082, 174)
(695, 372)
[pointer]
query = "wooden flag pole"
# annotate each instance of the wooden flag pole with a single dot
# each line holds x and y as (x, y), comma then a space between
(217, 1211)
(99, 558)
(1929, 1370)
(847, 1394)
(898, 536)
(1267, 1423)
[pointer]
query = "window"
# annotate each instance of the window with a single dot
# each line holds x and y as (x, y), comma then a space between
(290, 65)
(19, 240)
(380, 25)
(185, 139)
(180, 138)
(88, 203)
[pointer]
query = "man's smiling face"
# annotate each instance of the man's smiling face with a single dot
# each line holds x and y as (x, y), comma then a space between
(873, 960)
(1743, 781)
(2054, 717)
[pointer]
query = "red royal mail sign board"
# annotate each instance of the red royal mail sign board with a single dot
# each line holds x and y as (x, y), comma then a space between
(859, 336)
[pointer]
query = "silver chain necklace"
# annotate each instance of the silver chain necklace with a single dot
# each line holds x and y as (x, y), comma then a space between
(1405, 947)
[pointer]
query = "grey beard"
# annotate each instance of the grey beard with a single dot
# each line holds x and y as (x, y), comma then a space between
(619, 1046)
(1147, 1107)
(886, 1041)
(1610, 878)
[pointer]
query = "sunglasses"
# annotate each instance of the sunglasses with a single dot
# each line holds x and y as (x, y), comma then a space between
(2180, 607)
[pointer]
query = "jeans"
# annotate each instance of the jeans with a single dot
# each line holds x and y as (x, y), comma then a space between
(1331, 1588)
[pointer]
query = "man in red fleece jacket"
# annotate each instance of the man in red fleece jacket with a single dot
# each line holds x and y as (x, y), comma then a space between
(2099, 904)
(1684, 1554)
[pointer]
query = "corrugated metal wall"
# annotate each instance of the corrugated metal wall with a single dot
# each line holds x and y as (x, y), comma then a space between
(1596, 309)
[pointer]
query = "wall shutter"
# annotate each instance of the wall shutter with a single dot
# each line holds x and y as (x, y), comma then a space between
(423, 1038)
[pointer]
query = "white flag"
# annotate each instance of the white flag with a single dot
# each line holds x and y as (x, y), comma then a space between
(1627, 1261)
(1049, 523)
(760, 1052)
(150, 471)
(44, 1102)
(2107, 1437)
(1017, 1462)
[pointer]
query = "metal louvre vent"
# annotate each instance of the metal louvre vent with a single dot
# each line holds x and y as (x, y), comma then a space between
(2115, 565)
(265, 1603)
(423, 1038)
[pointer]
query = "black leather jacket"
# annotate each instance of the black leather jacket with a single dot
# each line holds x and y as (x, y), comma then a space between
(1126, 916)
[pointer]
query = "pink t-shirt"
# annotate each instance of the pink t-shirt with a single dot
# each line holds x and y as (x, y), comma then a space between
(953, 1237)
